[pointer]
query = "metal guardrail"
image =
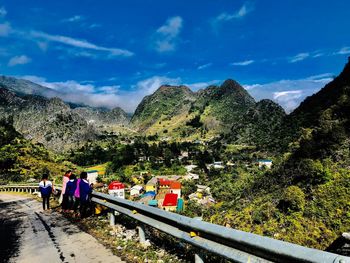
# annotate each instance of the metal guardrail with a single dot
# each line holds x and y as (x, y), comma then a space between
(229, 243)
(19, 188)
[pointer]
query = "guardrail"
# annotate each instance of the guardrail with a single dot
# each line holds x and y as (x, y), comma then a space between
(20, 188)
(229, 243)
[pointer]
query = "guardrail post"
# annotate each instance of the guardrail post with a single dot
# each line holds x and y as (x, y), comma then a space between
(198, 258)
(112, 218)
(142, 235)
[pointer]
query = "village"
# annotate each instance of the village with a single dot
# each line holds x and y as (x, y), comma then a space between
(165, 191)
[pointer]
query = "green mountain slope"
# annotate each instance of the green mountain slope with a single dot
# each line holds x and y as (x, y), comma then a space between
(179, 113)
(260, 125)
(304, 199)
(165, 103)
(21, 160)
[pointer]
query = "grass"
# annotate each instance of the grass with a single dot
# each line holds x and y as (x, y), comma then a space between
(101, 168)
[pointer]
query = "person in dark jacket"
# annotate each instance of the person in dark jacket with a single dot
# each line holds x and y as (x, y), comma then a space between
(85, 191)
(46, 188)
(70, 190)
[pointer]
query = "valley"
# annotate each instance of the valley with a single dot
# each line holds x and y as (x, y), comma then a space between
(275, 174)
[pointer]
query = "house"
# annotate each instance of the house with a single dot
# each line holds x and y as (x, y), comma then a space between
(218, 165)
(203, 189)
(180, 205)
(175, 187)
(117, 189)
(136, 190)
(265, 163)
(190, 176)
(164, 183)
(92, 176)
(229, 163)
(151, 185)
(170, 202)
(153, 203)
(190, 167)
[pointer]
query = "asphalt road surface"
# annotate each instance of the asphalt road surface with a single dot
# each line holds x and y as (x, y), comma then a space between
(29, 235)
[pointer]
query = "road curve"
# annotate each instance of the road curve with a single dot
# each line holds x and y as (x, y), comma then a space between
(30, 235)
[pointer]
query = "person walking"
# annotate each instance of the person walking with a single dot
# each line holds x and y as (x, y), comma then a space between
(77, 195)
(85, 191)
(46, 188)
(64, 198)
(70, 190)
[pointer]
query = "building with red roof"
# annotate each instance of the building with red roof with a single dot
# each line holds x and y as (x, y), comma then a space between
(164, 183)
(170, 202)
(175, 187)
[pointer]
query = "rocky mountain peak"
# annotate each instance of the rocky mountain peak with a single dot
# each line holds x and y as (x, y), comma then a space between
(345, 74)
(168, 89)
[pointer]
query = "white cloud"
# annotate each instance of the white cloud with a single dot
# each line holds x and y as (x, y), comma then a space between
(19, 60)
(344, 51)
(299, 57)
(148, 86)
(166, 36)
(5, 29)
(202, 85)
(242, 12)
(109, 89)
(204, 66)
(3, 11)
(243, 63)
(83, 44)
(103, 96)
(289, 93)
(73, 19)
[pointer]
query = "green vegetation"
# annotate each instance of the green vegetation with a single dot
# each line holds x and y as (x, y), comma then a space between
(21, 160)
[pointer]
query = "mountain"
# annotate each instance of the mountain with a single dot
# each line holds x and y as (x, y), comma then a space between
(220, 107)
(260, 125)
(103, 117)
(47, 121)
(326, 108)
(227, 109)
(323, 120)
(39, 114)
(304, 197)
(165, 103)
(26, 87)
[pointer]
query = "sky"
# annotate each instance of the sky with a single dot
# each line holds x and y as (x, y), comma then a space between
(113, 53)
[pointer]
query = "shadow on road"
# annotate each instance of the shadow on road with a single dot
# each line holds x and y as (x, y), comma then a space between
(10, 229)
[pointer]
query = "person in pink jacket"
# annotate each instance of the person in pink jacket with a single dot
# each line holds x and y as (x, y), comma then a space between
(63, 193)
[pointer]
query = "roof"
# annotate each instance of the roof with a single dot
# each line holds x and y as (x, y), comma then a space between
(175, 185)
(265, 161)
(170, 199)
(153, 181)
(92, 171)
(137, 187)
(164, 182)
(153, 202)
(116, 185)
(150, 193)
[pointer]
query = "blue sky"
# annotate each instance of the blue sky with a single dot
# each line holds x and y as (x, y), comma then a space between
(112, 53)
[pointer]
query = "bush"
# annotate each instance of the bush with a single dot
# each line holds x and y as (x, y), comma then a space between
(293, 199)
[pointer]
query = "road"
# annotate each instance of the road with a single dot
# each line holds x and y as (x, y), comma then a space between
(30, 235)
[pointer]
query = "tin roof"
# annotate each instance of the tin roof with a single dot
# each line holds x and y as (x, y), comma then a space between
(170, 199)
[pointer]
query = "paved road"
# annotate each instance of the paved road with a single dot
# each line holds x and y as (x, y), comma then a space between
(29, 235)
